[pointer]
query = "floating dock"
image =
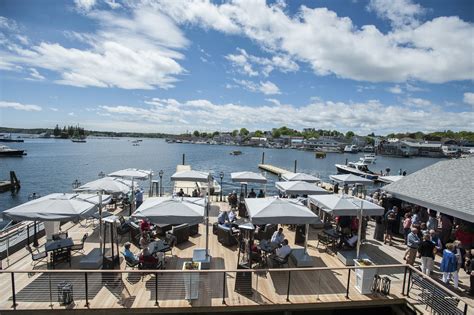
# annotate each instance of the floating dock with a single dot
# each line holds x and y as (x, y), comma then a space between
(273, 169)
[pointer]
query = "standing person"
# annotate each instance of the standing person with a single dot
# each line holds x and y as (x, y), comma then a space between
(138, 198)
(261, 194)
(449, 265)
(336, 188)
(427, 250)
(432, 223)
(406, 225)
(252, 194)
(413, 242)
(470, 270)
(436, 241)
(446, 227)
(378, 231)
(390, 219)
(460, 253)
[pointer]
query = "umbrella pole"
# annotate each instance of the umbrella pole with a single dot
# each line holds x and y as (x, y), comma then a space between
(132, 199)
(359, 232)
(150, 191)
(100, 220)
(208, 204)
(306, 239)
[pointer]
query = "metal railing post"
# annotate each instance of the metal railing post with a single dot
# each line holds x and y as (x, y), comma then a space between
(465, 308)
(13, 290)
(289, 283)
(223, 289)
(87, 289)
(156, 289)
(404, 281)
(50, 291)
(409, 281)
(348, 282)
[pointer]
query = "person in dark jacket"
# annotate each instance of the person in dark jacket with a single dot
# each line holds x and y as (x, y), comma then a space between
(427, 250)
(470, 270)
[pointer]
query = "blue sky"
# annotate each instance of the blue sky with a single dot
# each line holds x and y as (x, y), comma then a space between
(171, 66)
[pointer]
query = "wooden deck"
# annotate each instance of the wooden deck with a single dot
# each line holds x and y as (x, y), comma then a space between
(308, 288)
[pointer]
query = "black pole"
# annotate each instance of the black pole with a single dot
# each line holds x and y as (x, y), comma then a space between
(409, 281)
(13, 290)
(223, 289)
(263, 157)
(112, 245)
(35, 238)
(404, 281)
(161, 185)
(348, 282)
(184, 158)
(288, 290)
(28, 234)
(156, 288)
(221, 189)
(87, 289)
(465, 308)
(296, 163)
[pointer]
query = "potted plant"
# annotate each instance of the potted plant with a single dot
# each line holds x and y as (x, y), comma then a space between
(191, 279)
(364, 276)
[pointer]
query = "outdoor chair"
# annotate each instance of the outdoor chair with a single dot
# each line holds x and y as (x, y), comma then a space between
(131, 263)
(79, 247)
(279, 262)
(194, 229)
(181, 232)
(267, 232)
(35, 257)
(324, 239)
(225, 236)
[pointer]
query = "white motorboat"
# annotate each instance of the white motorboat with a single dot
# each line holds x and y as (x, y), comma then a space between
(6, 151)
(351, 149)
(357, 168)
(368, 159)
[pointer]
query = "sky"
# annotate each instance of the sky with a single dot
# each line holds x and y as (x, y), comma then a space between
(174, 66)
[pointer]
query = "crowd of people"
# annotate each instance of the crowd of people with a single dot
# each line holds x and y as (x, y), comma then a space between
(427, 234)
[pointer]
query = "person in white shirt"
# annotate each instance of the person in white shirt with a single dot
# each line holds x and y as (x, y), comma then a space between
(231, 216)
(284, 250)
(278, 237)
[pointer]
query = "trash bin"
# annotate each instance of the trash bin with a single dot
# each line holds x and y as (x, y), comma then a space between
(65, 293)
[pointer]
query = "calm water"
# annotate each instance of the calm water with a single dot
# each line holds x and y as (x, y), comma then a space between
(52, 165)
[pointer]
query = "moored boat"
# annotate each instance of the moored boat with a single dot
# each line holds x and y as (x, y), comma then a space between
(236, 152)
(368, 158)
(357, 168)
(351, 149)
(6, 151)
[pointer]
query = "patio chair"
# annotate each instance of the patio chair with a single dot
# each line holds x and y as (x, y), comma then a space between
(35, 257)
(131, 263)
(79, 247)
(279, 262)
(324, 239)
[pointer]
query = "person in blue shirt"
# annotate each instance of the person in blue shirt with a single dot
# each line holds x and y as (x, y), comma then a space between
(138, 198)
(128, 254)
(222, 217)
(449, 265)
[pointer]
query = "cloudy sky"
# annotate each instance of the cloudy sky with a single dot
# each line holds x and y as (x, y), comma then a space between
(172, 66)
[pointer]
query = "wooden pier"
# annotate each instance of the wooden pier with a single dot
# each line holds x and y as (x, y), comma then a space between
(13, 184)
(273, 169)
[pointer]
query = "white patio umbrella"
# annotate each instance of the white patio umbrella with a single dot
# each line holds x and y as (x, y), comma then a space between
(347, 206)
(134, 173)
(56, 207)
(248, 177)
(300, 188)
(300, 177)
(350, 179)
(172, 210)
(200, 177)
(272, 210)
(109, 185)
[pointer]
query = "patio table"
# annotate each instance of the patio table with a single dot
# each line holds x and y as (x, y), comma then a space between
(60, 250)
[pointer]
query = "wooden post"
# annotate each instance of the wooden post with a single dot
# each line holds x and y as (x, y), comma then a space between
(263, 157)
(296, 163)
(14, 183)
(184, 158)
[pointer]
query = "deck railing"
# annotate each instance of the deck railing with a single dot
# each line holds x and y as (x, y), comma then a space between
(105, 289)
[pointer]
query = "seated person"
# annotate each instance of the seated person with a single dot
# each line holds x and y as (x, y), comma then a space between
(195, 193)
(278, 237)
(349, 241)
(147, 259)
(181, 193)
(128, 254)
(284, 250)
(231, 216)
(222, 217)
(252, 194)
(144, 240)
(261, 194)
(145, 226)
(254, 251)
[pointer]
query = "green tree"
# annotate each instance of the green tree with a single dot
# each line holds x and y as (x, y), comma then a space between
(350, 134)
(258, 133)
(196, 133)
(244, 132)
(57, 131)
(215, 133)
(276, 133)
(235, 133)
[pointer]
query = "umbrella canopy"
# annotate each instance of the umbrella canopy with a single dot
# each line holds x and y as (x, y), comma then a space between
(248, 177)
(345, 206)
(109, 185)
(300, 188)
(191, 176)
(279, 211)
(350, 179)
(132, 173)
(169, 210)
(300, 177)
(56, 207)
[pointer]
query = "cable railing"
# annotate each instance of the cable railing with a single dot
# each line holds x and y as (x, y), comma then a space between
(107, 289)
(16, 237)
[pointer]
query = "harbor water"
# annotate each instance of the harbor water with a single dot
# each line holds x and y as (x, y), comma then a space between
(53, 165)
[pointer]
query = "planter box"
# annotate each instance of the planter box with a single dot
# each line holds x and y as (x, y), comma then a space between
(364, 277)
(191, 281)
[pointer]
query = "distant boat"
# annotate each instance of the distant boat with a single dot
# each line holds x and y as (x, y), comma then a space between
(351, 149)
(79, 140)
(6, 151)
(368, 159)
(4, 138)
(236, 152)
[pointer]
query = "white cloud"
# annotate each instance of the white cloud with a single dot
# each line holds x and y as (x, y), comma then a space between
(84, 5)
(469, 98)
(417, 102)
(267, 87)
(246, 63)
(435, 51)
(54, 109)
(71, 114)
(399, 12)
(19, 106)
(176, 116)
(128, 52)
(396, 89)
(35, 75)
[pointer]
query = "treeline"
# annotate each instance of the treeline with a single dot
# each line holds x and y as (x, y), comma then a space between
(69, 132)
(435, 136)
